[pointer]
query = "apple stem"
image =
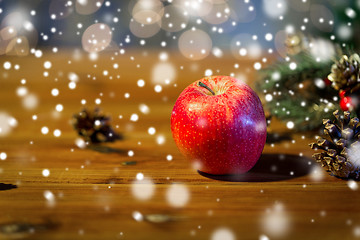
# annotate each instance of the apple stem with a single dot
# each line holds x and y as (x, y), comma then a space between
(205, 86)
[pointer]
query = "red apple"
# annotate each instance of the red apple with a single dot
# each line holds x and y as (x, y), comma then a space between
(219, 123)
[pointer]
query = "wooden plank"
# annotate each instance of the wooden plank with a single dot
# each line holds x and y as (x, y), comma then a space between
(89, 193)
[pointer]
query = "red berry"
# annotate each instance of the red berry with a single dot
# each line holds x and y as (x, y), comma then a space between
(342, 93)
(327, 82)
(345, 103)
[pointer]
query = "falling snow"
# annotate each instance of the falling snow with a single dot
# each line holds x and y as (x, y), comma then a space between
(150, 48)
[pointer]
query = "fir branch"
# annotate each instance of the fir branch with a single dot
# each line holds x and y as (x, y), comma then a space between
(296, 98)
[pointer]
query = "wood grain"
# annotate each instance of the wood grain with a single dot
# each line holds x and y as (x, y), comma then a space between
(92, 190)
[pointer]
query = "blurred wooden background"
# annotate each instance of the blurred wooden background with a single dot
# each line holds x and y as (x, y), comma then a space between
(88, 194)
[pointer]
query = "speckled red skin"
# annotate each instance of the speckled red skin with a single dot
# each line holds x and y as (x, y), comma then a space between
(221, 134)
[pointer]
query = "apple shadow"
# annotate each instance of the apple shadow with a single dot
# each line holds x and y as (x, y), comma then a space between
(270, 168)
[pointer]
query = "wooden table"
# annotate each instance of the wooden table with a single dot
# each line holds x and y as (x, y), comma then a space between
(89, 193)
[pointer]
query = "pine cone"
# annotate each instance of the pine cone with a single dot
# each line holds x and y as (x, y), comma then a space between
(94, 126)
(339, 144)
(345, 73)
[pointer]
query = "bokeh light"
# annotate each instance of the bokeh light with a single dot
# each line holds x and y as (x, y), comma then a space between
(87, 7)
(142, 188)
(354, 154)
(276, 223)
(223, 234)
(177, 195)
(220, 13)
(322, 50)
(163, 73)
(195, 44)
(174, 19)
(30, 101)
(148, 11)
(17, 34)
(274, 8)
(242, 11)
(144, 30)
(195, 7)
(7, 123)
(96, 37)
